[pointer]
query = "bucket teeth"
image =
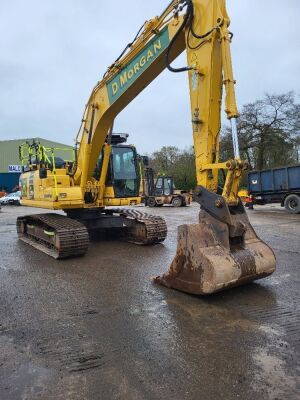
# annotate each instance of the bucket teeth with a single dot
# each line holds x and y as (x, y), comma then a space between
(208, 260)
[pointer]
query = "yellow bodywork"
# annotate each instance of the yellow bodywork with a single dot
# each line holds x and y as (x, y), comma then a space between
(45, 193)
(210, 67)
(222, 250)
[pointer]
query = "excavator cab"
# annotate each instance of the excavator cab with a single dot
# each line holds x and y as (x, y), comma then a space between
(123, 176)
(123, 173)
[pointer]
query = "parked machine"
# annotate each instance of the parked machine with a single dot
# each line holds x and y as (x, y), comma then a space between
(47, 182)
(277, 185)
(160, 190)
(11, 199)
(219, 251)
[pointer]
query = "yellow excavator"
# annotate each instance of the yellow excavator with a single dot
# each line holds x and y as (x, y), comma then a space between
(219, 251)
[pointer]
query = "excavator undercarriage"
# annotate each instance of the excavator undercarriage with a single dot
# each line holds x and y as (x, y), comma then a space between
(62, 236)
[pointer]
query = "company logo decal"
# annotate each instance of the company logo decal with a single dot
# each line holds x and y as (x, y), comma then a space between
(128, 75)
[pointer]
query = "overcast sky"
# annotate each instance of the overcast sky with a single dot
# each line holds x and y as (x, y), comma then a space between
(54, 51)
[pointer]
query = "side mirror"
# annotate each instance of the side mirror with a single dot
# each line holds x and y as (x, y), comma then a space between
(43, 173)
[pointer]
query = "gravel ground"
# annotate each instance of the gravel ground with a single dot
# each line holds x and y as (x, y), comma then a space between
(97, 328)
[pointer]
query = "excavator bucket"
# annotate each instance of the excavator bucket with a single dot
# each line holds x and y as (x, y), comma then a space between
(215, 255)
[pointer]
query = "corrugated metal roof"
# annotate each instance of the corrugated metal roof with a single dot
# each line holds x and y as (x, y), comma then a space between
(9, 151)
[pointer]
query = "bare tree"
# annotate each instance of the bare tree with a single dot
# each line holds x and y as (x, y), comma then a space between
(269, 134)
(268, 131)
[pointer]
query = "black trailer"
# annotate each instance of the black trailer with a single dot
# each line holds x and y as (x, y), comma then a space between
(281, 185)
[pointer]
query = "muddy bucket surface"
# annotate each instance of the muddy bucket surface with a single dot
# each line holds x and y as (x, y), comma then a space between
(208, 260)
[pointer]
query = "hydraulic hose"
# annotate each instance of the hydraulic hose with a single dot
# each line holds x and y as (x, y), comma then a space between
(188, 17)
(191, 25)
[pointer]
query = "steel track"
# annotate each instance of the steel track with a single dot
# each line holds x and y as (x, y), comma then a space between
(70, 237)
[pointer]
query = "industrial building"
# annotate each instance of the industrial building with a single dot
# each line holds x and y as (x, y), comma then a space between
(10, 165)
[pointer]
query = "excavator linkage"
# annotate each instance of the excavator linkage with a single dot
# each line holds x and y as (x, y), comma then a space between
(213, 255)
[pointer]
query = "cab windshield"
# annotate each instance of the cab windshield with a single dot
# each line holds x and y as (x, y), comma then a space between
(125, 177)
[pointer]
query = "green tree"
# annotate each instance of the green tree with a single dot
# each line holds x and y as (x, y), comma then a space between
(163, 160)
(177, 163)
